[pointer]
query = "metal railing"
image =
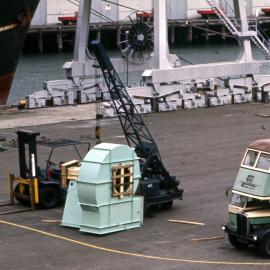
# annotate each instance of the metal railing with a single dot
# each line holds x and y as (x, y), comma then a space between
(260, 38)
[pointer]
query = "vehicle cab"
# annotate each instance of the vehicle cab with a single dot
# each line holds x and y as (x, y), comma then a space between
(249, 208)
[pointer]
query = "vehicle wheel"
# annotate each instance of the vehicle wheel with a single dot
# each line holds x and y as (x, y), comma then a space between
(48, 197)
(20, 199)
(167, 205)
(235, 242)
(265, 247)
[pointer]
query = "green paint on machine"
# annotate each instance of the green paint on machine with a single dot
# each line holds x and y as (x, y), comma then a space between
(103, 199)
(232, 221)
(260, 220)
(253, 182)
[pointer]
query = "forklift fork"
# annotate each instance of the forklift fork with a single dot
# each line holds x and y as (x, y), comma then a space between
(32, 185)
(33, 193)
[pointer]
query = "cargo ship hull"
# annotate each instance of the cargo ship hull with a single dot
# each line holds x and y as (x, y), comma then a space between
(15, 18)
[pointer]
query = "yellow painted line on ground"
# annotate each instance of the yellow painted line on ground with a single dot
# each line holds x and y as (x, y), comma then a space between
(186, 222)
(119, 252)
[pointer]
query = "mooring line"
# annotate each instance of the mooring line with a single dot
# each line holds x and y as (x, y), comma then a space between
(115, 251)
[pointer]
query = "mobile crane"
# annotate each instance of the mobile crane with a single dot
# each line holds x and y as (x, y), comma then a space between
(157, 186)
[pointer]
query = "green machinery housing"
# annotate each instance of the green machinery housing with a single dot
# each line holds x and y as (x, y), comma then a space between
(102, 200)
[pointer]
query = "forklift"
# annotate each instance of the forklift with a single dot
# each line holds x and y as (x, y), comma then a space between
(42, 188)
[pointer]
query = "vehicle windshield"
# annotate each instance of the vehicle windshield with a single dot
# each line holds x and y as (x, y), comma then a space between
(257, 160)
(251, 202)
(238, 200)
(263, 162)
(247, 202)
(251, 158)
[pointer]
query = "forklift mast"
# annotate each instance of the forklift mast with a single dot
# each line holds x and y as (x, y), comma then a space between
(135, 130)
(28, 163)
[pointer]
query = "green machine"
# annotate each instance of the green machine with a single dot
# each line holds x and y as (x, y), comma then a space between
(249, 209)
(102, 200)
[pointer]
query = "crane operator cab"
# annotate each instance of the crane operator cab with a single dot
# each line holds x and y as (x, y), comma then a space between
(249, 208)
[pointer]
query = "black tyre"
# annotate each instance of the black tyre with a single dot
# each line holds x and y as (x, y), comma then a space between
(49, 197)
(25, 192)
(167, 205)
(236, 243)
(265, 247)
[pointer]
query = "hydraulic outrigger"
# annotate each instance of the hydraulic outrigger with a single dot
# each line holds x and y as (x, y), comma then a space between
(157, 185)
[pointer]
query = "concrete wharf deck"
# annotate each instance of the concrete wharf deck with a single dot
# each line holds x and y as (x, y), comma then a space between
(202, 147)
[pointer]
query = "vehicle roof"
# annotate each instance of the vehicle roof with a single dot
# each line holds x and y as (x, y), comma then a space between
(261, 145)
(60, 143)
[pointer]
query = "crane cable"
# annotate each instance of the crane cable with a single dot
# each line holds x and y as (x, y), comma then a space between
(212, 31)
(201, 28)
(107, 19)
(99, 114)
(95, 13)
(121, 5)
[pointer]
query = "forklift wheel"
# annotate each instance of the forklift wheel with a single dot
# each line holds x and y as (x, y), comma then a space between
(20, 199)
(236, 243)
(48, 197)
(265, 246)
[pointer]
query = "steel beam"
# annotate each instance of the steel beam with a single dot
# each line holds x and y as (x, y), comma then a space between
(204, 71)
(82, 31)
(161, 47)
(241, 15)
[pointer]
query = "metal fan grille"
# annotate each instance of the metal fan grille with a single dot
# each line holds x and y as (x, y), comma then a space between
(136, 42)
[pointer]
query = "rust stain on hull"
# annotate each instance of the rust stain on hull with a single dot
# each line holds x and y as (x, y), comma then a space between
(5, 85)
